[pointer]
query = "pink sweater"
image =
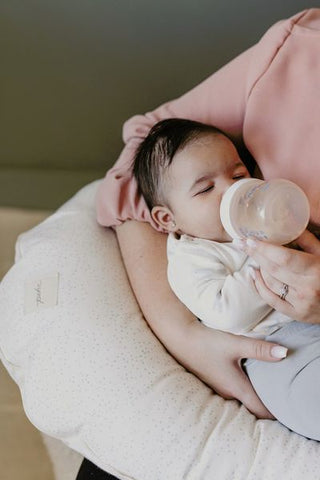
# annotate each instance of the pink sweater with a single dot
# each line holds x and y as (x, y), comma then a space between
(269, 95)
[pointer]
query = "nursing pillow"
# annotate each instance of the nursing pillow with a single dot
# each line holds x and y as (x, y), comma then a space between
(92, 374)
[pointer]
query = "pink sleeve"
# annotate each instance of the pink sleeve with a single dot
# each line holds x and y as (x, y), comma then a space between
(219, 100)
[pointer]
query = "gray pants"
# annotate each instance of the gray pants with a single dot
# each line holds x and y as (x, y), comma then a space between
(290, 389)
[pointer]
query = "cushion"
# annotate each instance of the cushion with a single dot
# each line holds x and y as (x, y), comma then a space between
(92, 374)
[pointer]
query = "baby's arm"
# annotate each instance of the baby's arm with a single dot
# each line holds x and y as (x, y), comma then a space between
(221, 298)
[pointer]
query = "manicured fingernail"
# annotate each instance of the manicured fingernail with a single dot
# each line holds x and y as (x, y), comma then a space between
(251, 242)
(239, 243)
(279, 352)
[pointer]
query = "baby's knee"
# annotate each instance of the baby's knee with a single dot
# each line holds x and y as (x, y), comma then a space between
(292, 395)
(304, 401)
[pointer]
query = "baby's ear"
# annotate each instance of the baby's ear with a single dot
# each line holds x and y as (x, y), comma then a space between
(164, 218)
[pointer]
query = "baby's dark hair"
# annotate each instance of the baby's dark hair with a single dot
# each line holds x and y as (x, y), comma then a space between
(156, 152)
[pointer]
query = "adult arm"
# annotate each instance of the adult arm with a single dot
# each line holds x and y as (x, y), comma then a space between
(300, 270)
(220, 100)
(117, 198)
(212, 355)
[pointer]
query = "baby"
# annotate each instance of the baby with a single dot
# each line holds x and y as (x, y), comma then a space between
(183, 168)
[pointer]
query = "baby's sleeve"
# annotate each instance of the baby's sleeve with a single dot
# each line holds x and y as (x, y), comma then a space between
(213, 281)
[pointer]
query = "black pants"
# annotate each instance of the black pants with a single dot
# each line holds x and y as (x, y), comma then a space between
(88, 471)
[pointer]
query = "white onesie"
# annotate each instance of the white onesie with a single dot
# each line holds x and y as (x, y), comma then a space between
(212, 279)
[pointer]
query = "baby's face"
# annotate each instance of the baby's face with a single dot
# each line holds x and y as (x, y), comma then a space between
(197, 179)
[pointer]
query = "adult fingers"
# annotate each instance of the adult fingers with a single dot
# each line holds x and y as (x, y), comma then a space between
(244, 391)
(260, 349)
(283, 263)
(303, 305)
(309, 243)
(225, 374)
(240, 388)
(274, 288)
(270, 282)
(267, 290)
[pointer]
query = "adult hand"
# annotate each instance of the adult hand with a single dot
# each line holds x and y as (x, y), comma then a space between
(299, 270)
(221, 369)
(212, 355)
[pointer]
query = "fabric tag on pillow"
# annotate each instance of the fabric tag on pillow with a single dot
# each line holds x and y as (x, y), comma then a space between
(41, 293)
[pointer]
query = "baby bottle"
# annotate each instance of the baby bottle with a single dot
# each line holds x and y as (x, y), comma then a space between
(276, 211)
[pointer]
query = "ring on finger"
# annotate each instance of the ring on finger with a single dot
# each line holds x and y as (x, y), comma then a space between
(284, 291)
